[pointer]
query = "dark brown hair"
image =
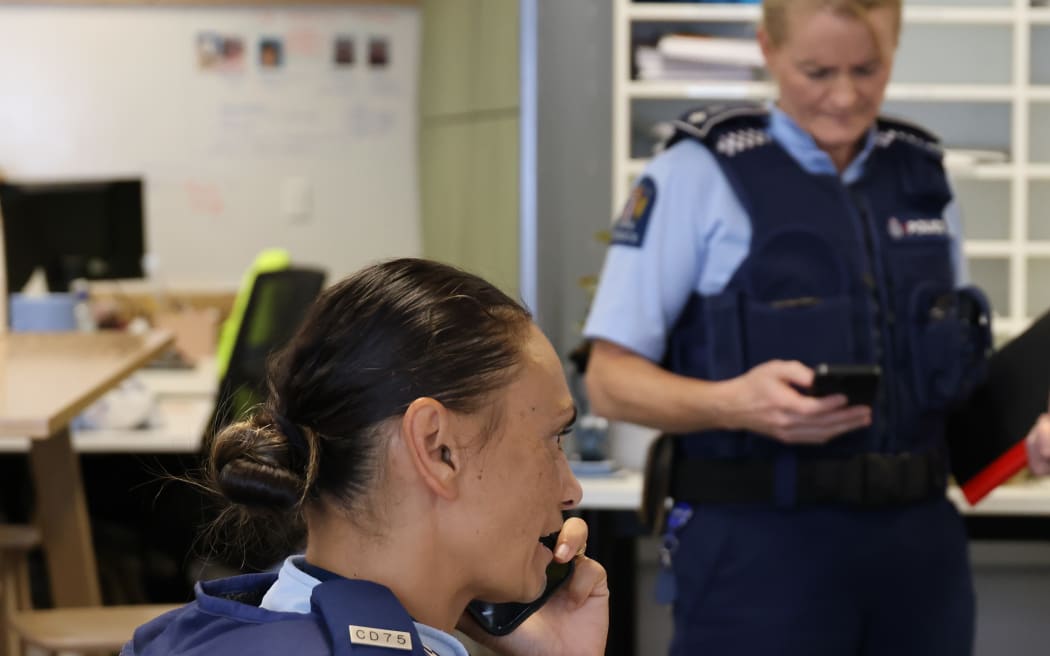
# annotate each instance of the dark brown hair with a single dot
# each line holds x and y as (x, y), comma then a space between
(391, 333)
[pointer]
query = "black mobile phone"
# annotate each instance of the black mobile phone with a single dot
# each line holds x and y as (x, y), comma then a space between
(500, 619)
(858, 382)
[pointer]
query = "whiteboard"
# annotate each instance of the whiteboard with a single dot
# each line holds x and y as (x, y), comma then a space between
(313, 150)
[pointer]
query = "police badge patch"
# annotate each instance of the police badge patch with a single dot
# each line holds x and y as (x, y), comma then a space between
(629, 229)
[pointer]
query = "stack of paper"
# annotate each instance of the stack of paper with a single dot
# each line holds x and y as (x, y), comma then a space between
(959, 160)
(695, 57)
(711, 50)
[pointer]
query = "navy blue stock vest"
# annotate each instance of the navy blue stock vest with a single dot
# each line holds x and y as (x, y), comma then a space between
(835, 273)
(347, 618)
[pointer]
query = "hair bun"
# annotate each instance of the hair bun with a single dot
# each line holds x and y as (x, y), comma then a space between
(251, 467)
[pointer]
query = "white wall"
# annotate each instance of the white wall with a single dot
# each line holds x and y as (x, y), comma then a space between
(97, 91)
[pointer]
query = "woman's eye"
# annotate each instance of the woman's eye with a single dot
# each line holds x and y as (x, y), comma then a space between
(819, 74)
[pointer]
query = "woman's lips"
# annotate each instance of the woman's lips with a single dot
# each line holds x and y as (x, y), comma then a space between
(550, 540)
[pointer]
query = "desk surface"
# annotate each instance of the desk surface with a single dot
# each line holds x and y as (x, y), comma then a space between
(623, 491)
(46, 379)
(199, 382)
(178, 428)
(184, 402)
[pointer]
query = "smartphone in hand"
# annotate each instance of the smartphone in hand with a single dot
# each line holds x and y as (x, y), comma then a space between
(858, 382)
(500, 619)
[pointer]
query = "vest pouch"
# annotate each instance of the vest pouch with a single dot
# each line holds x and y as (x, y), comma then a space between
(724, 330)
(975, 314)
(796, 300)
(809, 329)
(950, 337)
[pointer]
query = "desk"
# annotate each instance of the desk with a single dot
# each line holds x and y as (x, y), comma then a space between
(178, 429)
(200, 381)
(45, 381)
(185, 399)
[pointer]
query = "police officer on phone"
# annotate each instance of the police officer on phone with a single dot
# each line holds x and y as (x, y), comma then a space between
(762, 242)
(413, 432)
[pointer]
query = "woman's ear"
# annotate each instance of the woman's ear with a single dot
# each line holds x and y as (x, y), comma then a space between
(427, 435)
(766, 45)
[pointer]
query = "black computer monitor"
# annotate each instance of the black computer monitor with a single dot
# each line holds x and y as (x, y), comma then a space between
(92, 230)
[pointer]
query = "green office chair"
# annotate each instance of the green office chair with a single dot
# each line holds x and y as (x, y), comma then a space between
(276, 305)
(271, 259)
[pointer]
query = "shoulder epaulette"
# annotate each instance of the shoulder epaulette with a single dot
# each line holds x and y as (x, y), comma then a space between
(726, 129)
(891, 129)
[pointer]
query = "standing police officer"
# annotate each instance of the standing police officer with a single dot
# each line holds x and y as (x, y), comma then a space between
(761, 243)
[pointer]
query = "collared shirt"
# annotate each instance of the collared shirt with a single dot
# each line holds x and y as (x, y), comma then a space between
(294, 586)
(697, 234)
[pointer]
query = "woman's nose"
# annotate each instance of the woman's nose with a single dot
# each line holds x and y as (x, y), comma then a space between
(572, 491)
(844, 92)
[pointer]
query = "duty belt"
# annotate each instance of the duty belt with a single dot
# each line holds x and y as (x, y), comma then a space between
(868, 480)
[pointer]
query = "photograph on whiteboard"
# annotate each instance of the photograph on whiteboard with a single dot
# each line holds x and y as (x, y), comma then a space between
(378, 52)
(220, 52)
(271, 52)
(343, 54)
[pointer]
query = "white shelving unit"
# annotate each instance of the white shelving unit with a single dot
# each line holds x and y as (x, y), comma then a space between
(1008, 264)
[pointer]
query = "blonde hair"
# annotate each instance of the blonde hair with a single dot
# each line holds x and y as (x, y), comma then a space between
(775, 13)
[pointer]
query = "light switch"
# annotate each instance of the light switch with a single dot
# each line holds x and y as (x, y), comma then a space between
(297, 199)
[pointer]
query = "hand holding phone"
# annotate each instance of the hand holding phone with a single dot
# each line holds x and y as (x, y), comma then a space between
(502, 618)
(859, 383)
(571, 617)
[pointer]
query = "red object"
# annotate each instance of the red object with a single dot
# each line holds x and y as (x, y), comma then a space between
(986, 435)
(996, 472)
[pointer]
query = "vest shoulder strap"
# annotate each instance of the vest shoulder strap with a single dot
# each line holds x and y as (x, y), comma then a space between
(365, 619)
(727, 129)
(891, 130)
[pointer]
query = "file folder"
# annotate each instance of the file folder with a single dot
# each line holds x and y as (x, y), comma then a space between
(986, 435)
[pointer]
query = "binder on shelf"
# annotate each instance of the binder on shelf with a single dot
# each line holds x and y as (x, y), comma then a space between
(986, 435)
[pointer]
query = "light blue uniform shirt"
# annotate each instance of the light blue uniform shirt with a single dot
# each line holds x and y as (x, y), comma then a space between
(696, 236)
(291, 594)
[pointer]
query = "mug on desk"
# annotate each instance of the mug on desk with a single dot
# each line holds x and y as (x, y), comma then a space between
(43, 314)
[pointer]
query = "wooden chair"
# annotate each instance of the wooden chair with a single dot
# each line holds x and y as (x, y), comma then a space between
(66, 630)
(16, 541)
